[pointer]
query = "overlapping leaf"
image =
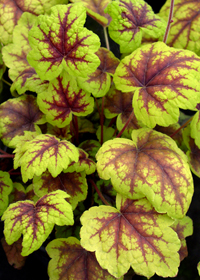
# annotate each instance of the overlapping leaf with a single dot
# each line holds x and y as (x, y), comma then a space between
(162, 79)
(150, 165)
(133, 234)
(64, 98)
(46, 152)
(195, 128)
(184, 30)
(91, 147)
(20, 193)
(2, 65)
(60, 41)
(108, 133)
(11, 11)
(71, 261)
(6, 186)
(36, 221)
(74, 184)
(19, 115)
(130, 18)
(107, 191)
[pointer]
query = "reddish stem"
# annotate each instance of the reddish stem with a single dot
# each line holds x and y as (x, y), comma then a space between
(7, 156)
(126, 124)
(98, 192)
(169, 21)
(181, 127)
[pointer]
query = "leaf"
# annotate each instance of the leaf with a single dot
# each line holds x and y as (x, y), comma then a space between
(71, 261)
(133, 234)
(63, 99)
(198, 267)
(130, 20)
(91, 147)
(46, 152)
(6, 186)
(108, 133)
(59, 132)
(13, 253)
(149, 165)
(19, 115)
(184, 32)
(74, 184)
(95, 9)
(98, 83)
(36, 221)
(11, 11)
(20, 193)
(195, 128)
(51, 54)
(107, 191)
(163, 79)
(2, 65)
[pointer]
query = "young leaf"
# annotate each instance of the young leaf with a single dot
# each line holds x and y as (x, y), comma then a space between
(46, 152)
(36, 221)
(150, 165)
(62, 99)
(163, 79)
(71, 261)
(6, 186)
(20, 193)
(19, 115)
(130, 18)
(60, 41)
(133, 234)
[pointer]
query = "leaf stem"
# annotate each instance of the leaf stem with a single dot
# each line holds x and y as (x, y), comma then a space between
(181, 127)
(169, 21)
(75, 123)
(3, 80)
(126, 124)
(102, 118)
(106, 38)
(98, 192)
(5, 154)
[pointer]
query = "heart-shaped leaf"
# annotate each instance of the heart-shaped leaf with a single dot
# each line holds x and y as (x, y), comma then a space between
(150, 165)
(133, 234)
(36, 221)
(6, 186)
(163, 79)
(51, 53)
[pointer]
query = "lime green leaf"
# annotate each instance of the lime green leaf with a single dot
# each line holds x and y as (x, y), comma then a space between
(198, 268)
(6, 186)
(18, 115)
(130, 18)
(46, 152)
(62, 99)
(163, 79)
(183, 228)
(184, 30)
(133, 234)
(195, 128)
(98, 83)
(71, 261)
(91, 147)
(150, 165)
(20, 193)
(51, 54)
(36, 221)
(74, 184)
(95, 9)
(2, 65)
(108, 133)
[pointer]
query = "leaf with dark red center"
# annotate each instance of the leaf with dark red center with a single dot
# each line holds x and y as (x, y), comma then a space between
(71, 261)
(19, 115)
(91, 147)
(46, 152)
(64, 98)
(162, 80)
(11, 11)
(133, 234)
(59, 132)
(6, 186)
(95, 9)
(60, 41)
(150, 165)
(74, 184)
(20, 193)
(130, 18)
(36, 221)
(170, 130)
(98, 83)
(183, 228)
(184, 30)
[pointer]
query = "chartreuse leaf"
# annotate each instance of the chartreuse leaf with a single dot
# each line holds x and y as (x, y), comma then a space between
(18, 115)
(60, 41)
(6, 186)
(63, 99)
(130, 18)
(46, 152)
(20, 72)
(149, 165)
(162, 79)
(36, 221)
(11, 11)
(71, 261)
(133, 234)
(195, 128)
(108, 133)
(95, 9)
(2, 65)
(198, 267)
(184, 30)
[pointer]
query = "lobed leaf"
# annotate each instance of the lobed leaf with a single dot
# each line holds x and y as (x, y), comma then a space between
(149, 165)
(6, 186)
(36, 221)
(162, 79)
